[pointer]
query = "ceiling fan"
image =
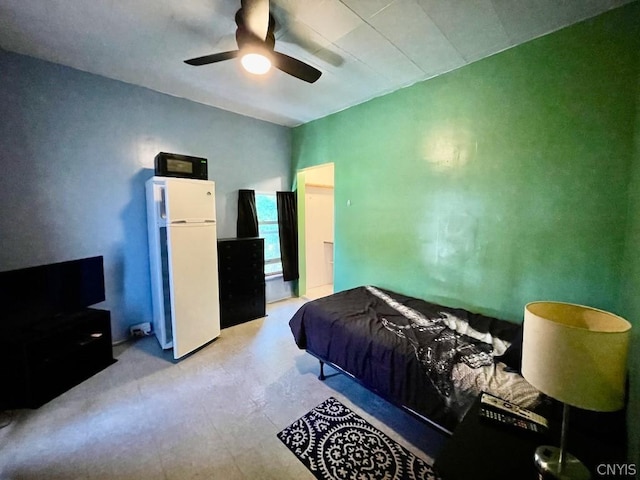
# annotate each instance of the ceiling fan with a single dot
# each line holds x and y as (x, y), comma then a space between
(256, 42)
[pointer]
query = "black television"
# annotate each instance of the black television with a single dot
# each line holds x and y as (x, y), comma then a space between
(35, 293)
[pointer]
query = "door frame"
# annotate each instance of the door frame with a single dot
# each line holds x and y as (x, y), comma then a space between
(301, 182)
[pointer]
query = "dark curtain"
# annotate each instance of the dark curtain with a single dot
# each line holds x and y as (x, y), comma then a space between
(288, 228)
(247, 225)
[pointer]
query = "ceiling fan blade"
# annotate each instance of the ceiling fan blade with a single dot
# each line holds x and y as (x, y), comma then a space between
(216, 57)
(256, 17)
(295, 67)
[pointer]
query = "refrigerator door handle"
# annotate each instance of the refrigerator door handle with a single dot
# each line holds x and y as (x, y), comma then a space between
(192, 220)
(163, 203)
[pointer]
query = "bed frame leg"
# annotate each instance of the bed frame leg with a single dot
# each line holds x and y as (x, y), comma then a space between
(321, 376)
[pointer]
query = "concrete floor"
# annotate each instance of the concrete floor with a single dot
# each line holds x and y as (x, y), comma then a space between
(212, 415)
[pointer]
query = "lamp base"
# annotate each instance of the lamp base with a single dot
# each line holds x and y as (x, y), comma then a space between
(547, 460)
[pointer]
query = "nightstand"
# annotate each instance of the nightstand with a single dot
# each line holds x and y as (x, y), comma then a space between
(482, 450)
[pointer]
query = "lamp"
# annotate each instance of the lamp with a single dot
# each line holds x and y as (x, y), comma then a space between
(577, 355)
(255, 63)
(255, 59)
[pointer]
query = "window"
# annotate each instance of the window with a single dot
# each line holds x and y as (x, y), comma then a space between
(268, 229)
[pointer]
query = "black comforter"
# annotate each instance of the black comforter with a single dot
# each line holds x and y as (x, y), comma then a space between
(407, 360)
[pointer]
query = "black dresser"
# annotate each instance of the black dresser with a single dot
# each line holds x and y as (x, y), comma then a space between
(241, 280)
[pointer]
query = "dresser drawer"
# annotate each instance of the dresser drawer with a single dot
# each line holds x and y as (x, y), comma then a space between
(239, 249)
(241, 270)
(240, 282)
(239, 308)
(244, 291)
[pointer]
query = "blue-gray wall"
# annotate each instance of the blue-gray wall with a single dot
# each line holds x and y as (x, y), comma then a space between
(75, 151)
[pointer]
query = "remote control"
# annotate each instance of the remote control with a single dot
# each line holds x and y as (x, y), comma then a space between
(502, 410)
(509, 420)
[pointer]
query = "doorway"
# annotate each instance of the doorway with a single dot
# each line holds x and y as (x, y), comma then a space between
(315, 230)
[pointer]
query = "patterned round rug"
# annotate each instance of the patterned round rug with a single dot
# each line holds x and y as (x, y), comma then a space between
(335, 443)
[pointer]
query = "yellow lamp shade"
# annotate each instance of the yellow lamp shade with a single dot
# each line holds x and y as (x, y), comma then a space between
(576, 354)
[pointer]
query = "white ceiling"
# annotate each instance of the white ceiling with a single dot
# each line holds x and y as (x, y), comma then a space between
(365, 48)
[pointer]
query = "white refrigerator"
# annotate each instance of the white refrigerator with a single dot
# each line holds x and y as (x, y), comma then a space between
(183, 255)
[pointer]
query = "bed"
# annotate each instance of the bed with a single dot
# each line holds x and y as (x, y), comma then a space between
(428, 359)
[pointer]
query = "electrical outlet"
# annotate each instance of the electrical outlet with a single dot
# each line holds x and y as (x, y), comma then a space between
(140, 329)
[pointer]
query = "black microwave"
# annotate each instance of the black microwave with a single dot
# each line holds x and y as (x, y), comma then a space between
(183, 166)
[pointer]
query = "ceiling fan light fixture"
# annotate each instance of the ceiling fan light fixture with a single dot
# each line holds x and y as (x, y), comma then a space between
(256, 49)
(256, 63)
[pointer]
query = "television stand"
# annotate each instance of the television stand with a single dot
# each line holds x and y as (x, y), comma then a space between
(40, 360)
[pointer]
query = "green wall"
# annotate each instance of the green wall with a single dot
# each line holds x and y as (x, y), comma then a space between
(510, 180)
(630, 304)
(502, 182)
